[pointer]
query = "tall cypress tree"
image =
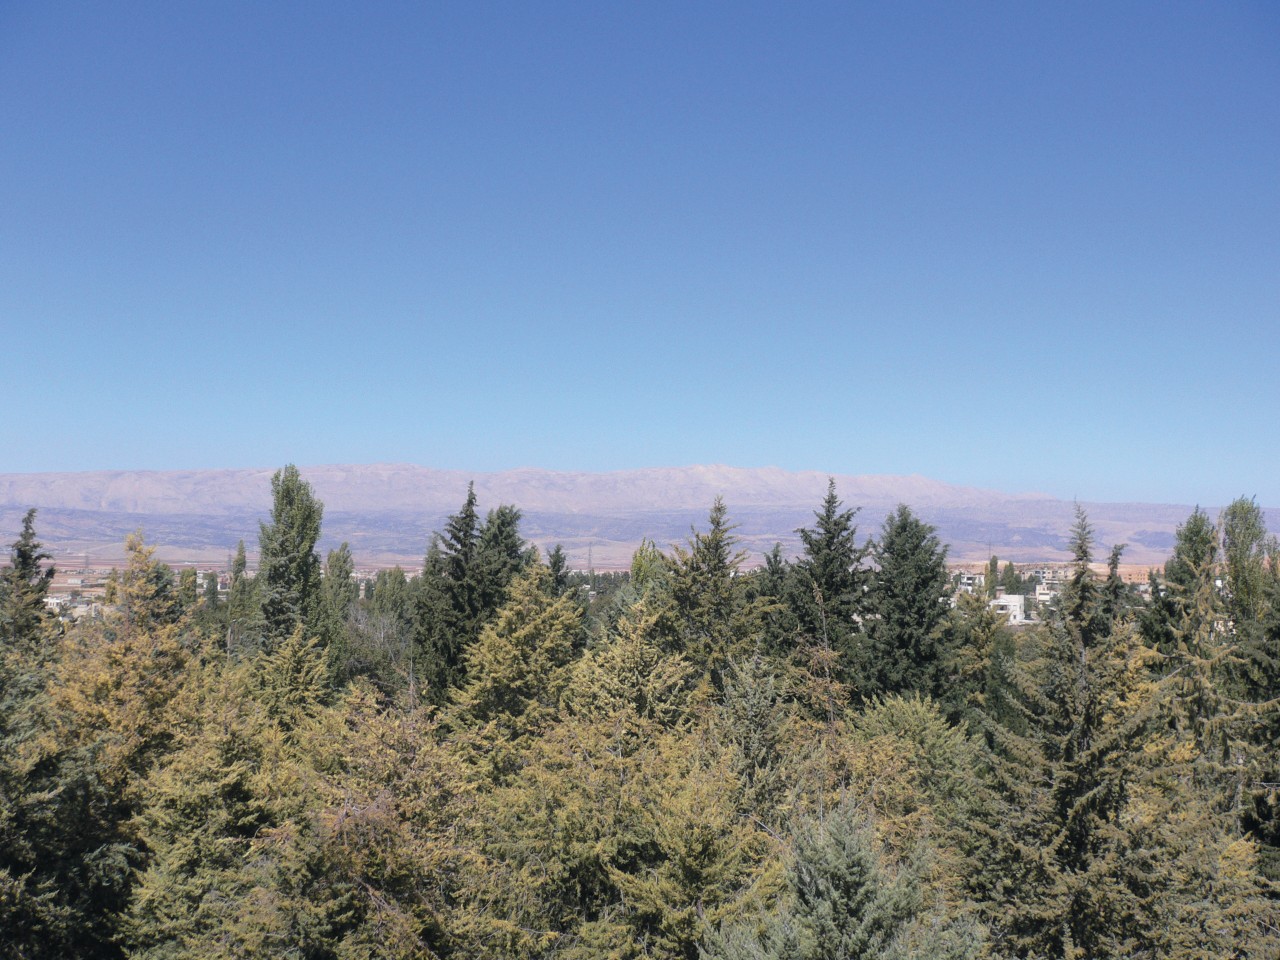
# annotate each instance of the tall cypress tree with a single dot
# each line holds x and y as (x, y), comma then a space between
(289, 567)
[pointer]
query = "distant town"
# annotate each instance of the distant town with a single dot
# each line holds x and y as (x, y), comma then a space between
(80, 584)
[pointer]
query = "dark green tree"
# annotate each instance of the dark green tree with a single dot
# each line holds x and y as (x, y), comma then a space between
(906, 647)
(1116, 601)
(1244, 550)
(288, 565)
(1195, 549)
(242, 613)
(449, 602)
(1010, 582)
(188, 591)
(33, 913)
(338, 594)
(24, 584)
(500, 556)
(770, 587)
(210, 594)
(828, 581)
(558, 564)
(713, 620)
(464, 582)
(1195, 553)
(1080, 601)
(1251, 581)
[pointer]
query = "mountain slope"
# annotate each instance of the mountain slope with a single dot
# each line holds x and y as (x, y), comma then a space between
(388, 511)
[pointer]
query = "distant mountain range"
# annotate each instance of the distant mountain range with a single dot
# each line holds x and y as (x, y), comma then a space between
(387, 512)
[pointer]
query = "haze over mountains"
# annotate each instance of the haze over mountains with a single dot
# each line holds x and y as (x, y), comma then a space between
(387, 512)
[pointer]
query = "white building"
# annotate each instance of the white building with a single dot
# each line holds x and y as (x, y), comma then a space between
(1012, 605)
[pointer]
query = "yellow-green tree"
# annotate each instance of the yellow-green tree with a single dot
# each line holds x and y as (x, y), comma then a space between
(516, 672)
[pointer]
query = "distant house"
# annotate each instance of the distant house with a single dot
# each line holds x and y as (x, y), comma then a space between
(1045, 592)
(1011, 605)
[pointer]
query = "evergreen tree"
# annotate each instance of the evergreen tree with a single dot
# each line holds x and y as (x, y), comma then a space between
(828, 582)
(1195, 549)
(295, 681)
(1065, 860)
(188, 590)
(713, 621)
(1115, 602)
(1213, 644)
(338, 594)
(1009, 579)
(288, 565)
(517, 671)
(464, 581)
(751, 718)
(558, 564)
(238, 866)
(649, 567)
(500, 557)
(982, 650)
(1262, 813)
(243, 610)
(701, 863)
(1244, 551)
(629, 682)
(845, 902)
(147, 592)
(554, 842)
(100, 720)
(380, 641)
(1079, 601)
(449, 602)
(772, 585)
(23, 587)
(210, 595)
(906, 649)
(1251, 582)
(1195, 553)
(35, 915)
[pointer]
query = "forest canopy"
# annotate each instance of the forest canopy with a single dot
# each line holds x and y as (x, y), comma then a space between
(833, 756)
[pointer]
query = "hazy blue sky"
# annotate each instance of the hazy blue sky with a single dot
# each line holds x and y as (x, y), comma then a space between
(1023, 246)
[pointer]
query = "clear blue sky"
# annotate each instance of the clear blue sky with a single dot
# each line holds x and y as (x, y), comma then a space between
(1022, 246)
